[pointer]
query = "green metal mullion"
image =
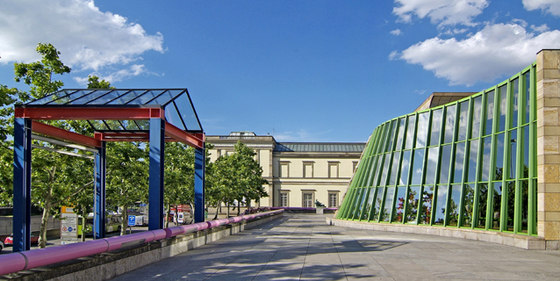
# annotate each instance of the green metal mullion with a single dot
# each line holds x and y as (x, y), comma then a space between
(357, 203)
(365, 198)
(493, 146)
(532, 214)
(348, 204)
(466, 157)
(410, 170)
(517, 218)
(451, 164)
(478, 175)
(507, 152)
(424, 165)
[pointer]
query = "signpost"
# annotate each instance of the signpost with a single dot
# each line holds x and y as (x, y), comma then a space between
(131, 222)
(68, 226)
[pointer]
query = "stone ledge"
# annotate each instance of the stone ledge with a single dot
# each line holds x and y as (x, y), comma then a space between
(509, 239)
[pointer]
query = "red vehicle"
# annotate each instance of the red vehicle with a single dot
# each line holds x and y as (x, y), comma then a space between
(10, 239)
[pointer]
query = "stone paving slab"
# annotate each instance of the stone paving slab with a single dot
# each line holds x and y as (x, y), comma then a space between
(303, 247)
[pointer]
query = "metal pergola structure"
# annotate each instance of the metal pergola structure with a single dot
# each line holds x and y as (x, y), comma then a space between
(152, 115)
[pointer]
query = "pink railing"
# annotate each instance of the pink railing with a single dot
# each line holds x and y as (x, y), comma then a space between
(15, 262)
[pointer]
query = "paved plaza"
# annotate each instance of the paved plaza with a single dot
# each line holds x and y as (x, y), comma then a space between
(303, 247)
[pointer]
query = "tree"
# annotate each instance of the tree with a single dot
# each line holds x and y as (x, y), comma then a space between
(127, 176)
(237, 177)
(179, 175)
(94, 83)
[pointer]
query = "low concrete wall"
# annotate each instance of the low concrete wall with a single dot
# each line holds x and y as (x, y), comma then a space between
(108, 265)
(509, 239)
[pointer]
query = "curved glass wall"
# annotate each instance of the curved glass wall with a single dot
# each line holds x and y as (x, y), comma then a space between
(469, 164)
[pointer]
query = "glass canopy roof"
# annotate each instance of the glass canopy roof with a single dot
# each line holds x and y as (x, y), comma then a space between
(177, 104)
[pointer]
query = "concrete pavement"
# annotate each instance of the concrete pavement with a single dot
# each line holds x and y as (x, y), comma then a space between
(303, 247)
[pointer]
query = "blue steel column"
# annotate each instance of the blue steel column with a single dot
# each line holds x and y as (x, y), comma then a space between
(99, 196)
(199, 180)
(22, 185)
(157, 145)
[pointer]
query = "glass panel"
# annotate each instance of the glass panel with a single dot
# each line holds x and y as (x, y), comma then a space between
(526, 152)
(386, 165)
(361, 215)
(98, 125)
(378, 203)
(431, 165)
(477, 111)
(496, 205)
(400, 134)
(395, 167)
(515, 101)
(473, 159)
(436, 126)
(513, 154)
(388, 204)
(499, 157)
(482, 204)
(109, 96)
(417, 166)
(69, 98)
(524, 205)
(164, 98)
(510, 204)
(413, 201)
(487, 143)
(410, 131)
(449, 123)
(458, 167)
(422, 131)
(359, 202)
(454, 204)
(468, 205)
(441, 205)
(445, 163)
(378, 170)
(145, 98)
(502, 93)
(187, 112)
(404, 168)
(463, 120)
(172, 116)
(143, 124)
(527, 77)
(392, 136)
(124, 99)
(489, 112)
(370, 202)
(427, 198)
(92, 96)
(52, 97)
(114, 125)
(399, 205)
(130, 125)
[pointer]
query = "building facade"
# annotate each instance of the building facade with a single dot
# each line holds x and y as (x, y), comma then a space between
(298, 173)
(489, 162)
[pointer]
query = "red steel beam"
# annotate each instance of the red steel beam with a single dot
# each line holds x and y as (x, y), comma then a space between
(122, 136)
(58, 133)
(89, 113)
(194, 140)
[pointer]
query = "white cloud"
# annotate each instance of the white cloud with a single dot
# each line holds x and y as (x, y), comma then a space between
(441, 12)
(394, 55)
(540, 29)
(120, 75)
(87, 38)
(496, 50)
(396, 32)
(548, 6)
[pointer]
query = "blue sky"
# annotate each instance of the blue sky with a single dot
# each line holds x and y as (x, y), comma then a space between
(298, 70)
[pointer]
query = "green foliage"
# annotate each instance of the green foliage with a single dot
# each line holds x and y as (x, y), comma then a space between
(94, 83)
(236, 177)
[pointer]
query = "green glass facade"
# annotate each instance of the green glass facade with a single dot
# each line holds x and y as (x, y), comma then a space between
(468, 164)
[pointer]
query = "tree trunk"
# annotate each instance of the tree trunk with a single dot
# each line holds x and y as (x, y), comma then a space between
(238, 208)
(124, 222)
(227, 205)
(45, 219)
(167, 215)
(83, 228)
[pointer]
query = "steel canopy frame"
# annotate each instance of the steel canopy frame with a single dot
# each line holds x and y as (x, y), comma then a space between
(159, 132)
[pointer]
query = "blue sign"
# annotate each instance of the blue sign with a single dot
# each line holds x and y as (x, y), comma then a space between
(70, 229)
(131, 220)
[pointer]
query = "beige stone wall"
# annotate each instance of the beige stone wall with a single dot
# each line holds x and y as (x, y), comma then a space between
(548, 145)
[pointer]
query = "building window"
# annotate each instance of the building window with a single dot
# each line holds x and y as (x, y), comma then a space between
(307, 199)
(354, 166)
(333, 169)
(284, 170)
(219, 152)
(307, 169)
(284, 199)
(333, 200)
